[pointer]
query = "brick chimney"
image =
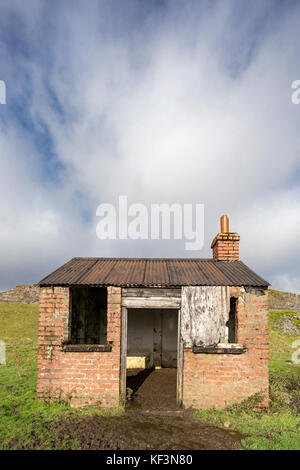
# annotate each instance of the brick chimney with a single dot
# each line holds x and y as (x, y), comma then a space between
(225, 245)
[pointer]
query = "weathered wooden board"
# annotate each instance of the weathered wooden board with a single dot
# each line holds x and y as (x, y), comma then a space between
(179, 394)
(157, 339)
(151, 302)
(151, 297)
(205, 311)
(123, 355)
(150, 292)
(220, 349)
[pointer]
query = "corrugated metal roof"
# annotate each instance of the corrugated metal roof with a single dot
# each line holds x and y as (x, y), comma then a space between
(163, 272)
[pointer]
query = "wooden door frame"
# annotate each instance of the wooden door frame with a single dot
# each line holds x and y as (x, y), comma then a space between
(123, 355)
(123, 352)
(180, 362)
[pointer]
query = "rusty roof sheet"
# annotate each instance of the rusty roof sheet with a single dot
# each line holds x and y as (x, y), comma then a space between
(164, 272)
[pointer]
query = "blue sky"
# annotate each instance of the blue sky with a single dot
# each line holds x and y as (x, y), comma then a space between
(163, 101)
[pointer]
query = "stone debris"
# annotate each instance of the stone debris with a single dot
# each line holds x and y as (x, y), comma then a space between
(287, 325)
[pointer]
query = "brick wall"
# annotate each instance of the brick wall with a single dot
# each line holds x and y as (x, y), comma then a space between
(84, 378)
(225, 247)
(219, 380)
(81, 378)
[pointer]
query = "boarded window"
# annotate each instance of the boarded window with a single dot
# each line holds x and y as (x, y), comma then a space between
(205, 312)
(88, 315)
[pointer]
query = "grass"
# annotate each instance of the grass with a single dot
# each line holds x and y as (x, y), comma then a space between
(278, 293)
(26, 423)
(262, 430)
(281, 349)
(277, 427)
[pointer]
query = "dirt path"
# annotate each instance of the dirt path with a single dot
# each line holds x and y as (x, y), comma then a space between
(152, 421)
(152, 389)
(136, 430)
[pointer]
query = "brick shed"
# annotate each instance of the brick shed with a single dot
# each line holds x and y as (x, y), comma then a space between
(208, 318)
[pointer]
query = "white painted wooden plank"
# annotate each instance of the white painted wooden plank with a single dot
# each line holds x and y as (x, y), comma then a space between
(205, 311)
(151, 302)
(150, 292)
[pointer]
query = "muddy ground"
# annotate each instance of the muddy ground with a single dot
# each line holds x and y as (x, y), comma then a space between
(152, 420)
(136, 430)
(152, 389)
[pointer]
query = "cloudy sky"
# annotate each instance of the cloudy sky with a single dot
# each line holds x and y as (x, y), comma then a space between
(161, 101)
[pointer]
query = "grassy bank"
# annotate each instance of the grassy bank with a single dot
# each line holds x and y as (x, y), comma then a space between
(277, 427)
(25, 423)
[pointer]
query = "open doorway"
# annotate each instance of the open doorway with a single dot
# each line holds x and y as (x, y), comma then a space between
(152, 358)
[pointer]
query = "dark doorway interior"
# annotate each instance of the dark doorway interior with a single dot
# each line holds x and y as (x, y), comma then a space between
(152, 333)
(151, 374)
(232, 322)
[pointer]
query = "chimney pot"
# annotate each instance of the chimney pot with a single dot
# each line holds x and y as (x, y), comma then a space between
(224, 224)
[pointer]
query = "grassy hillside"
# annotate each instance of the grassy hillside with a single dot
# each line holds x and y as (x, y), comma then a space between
(279, 426)
(282, 322)
(22, 418)
(25, 423)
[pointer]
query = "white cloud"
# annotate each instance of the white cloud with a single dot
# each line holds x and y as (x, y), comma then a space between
(189, 109)
(286, 283)
(270, 231)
